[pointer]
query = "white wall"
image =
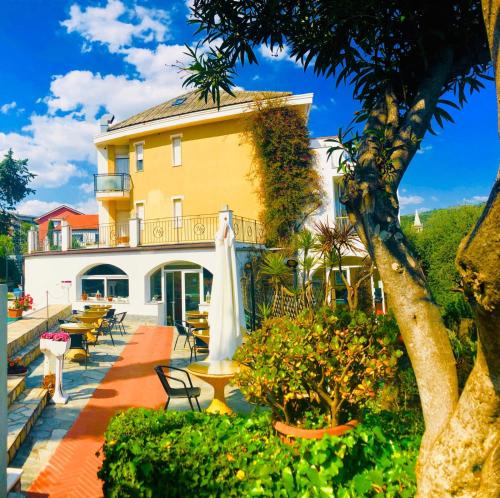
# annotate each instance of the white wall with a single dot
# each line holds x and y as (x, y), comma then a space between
(45, 272)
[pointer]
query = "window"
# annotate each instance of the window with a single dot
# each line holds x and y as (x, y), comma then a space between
(177, 206)
(106, 281)
(176, 151)
(121, 165)
(156, 293)
(139, 157)
(340, 209)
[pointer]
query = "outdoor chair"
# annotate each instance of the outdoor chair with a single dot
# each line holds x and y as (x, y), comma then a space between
(110, 313)
(80, 341)
(118, 322)
(86, 306)
(62, 321)
(103, 328)
(181, 331)
(186, 391)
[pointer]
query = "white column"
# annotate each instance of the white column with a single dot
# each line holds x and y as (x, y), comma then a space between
(65, 236)
(225, 214)
(32, 241)
(3, 388)
(134, 232)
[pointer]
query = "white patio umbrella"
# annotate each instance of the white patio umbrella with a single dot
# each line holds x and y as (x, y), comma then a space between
(226, 315)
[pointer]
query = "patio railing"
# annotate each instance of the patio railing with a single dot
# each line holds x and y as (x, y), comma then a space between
(178, 230)
(248, 230)
(161, 231)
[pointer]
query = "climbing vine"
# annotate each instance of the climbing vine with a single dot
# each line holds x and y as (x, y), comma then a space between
(289, 185)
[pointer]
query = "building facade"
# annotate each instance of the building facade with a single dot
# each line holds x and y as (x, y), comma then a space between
(165, 180)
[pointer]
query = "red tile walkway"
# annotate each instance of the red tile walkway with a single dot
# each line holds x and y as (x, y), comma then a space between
(131, 381)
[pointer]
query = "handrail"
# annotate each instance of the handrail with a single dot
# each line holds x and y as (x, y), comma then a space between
(111, 182)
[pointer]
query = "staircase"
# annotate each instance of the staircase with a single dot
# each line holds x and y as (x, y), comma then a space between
(26, 405)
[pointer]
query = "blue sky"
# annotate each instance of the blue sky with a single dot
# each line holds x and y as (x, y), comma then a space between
(63, 66)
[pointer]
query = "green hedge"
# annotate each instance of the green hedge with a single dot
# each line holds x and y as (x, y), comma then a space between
(182, 454)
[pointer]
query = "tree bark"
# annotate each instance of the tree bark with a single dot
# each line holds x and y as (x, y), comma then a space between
(491, 15)
(425, 336)
(465, 459)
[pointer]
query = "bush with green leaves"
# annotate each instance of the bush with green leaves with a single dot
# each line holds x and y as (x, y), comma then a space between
(320, 365)
(151, 453)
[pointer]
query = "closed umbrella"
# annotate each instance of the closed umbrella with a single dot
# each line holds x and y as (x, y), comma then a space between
(226, 316)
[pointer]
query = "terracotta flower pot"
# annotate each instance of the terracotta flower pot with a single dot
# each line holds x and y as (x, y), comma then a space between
(288, 433)
(15, 313)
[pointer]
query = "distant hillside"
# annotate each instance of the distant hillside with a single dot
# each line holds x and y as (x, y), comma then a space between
(436, 246)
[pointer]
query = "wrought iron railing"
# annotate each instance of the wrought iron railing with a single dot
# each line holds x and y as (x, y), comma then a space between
(178, 230)
(248, 230)
(114, 234)
(114, 182)
(84, 240)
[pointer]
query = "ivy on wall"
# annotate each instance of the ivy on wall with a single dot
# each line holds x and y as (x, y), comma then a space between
(289, 185)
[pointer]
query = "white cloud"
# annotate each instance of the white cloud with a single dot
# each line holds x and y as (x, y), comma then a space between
(276, 54)
(424, 148)
(88, 206)
(6, 108)
(476, 199)
(86, 187)
(117, 26)
(52, 145)
(408, 200)
(35, 207)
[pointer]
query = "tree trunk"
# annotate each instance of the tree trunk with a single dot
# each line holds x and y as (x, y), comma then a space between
(425, 336)
(465, 459)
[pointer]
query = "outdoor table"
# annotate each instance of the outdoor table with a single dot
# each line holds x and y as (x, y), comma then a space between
(77, 328)
(198, 324)
(196, 315)
(217, 374)
(203, 334)
(99, 307)
(89, 319)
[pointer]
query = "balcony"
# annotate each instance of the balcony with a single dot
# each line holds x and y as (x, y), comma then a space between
(112, 186)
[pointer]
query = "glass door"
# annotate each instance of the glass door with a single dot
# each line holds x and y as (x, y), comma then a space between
(173, 297)
(191, 291)
(183, 290)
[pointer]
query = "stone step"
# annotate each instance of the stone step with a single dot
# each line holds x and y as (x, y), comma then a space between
(22, 415)
(15, 386)
(29, 352)
(24, 331)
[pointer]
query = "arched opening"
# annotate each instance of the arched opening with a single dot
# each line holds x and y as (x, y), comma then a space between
(182, 286)
(105, 281)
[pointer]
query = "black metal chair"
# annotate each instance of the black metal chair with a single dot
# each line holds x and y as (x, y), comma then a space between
(186, 391)
(118, 322)
(181, 331)
(86, 306)
(61, 321)
(79, 341)
(104, 328)
(110, 313)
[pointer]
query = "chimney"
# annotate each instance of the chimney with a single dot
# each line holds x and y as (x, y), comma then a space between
(105, 121)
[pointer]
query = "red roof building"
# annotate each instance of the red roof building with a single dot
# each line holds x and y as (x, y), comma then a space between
(76, 220)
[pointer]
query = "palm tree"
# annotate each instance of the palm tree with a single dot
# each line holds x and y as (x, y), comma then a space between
(274, 267)
(333, 244)
(304, 243)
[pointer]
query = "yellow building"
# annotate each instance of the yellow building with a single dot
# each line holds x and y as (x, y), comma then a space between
(179, 159)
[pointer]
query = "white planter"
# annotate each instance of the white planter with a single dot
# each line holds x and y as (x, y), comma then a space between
(55, 350)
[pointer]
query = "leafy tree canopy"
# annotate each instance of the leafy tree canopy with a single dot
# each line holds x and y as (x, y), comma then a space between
(14, 180)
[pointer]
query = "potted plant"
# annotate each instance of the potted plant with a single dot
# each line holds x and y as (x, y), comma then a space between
(18, 305)
(317, 371)
(84, 296)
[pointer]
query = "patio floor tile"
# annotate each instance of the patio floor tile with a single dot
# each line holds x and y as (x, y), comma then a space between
(130, 382)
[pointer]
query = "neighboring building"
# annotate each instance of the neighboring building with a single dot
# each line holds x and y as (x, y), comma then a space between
(85, 227)
(165, 177)
(334, 212)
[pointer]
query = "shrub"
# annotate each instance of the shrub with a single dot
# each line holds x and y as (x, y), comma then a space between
(171, 454)
(319, 364)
